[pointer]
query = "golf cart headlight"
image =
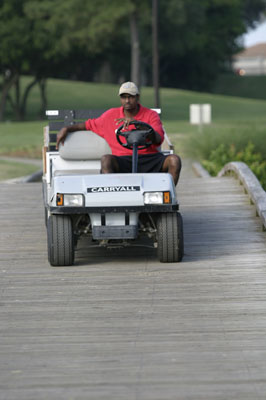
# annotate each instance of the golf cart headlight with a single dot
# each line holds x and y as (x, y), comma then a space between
(157, 198)
(69, 200)
(153, 198)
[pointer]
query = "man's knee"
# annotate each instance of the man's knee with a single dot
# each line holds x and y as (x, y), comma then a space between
(179, 162)
(173, 161)
(106, 159)
(108, 164)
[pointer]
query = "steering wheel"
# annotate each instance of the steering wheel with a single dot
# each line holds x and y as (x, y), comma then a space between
(136, 136)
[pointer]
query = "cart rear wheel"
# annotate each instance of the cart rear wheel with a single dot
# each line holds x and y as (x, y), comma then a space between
(170, 237)
(60, 240)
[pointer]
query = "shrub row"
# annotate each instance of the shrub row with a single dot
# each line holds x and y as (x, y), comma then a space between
(218, 145)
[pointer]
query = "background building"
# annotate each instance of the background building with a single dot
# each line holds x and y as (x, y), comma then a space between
(251, 61)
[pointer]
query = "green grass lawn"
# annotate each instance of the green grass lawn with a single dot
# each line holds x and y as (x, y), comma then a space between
(9, 170)
(174, 103)
(21, 138)
(231, 116)
(241, 86)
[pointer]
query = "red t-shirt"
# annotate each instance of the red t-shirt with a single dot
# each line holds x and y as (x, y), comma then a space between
(105, 126)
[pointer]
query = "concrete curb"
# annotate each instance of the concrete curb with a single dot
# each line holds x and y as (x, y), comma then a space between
(251, 184)
(200, 170)
(35, 177)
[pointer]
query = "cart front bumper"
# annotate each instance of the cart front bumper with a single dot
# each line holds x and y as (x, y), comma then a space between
(164, 208)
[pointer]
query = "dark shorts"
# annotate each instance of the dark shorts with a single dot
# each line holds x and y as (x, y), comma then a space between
(146, 163)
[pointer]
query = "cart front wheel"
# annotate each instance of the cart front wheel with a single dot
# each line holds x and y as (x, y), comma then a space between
(60, 240)
(170, 237)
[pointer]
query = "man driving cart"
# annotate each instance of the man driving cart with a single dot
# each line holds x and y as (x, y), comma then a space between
(150, 159)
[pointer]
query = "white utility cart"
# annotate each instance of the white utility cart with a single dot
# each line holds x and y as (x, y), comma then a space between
(112, 210)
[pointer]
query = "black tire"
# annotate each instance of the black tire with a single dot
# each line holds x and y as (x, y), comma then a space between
(60, 240)
(170, 237)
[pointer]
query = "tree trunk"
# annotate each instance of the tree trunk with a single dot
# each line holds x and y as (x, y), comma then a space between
(17, 100)
(155, 53)
(42, 85)
(7, 84)
(23, 104)
(135, 50)
(19, 105)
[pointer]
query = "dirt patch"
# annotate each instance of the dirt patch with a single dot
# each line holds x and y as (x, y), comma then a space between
(24, 153)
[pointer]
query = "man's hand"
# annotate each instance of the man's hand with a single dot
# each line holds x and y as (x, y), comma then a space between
(61, 136)
(154, 137)
(125, 121)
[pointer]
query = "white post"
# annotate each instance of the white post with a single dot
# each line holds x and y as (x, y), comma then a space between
(200, 114)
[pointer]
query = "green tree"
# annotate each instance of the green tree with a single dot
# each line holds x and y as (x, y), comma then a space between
(45, 37)
(201, 38)
(76, 39)
(23, 50)
(14, 45)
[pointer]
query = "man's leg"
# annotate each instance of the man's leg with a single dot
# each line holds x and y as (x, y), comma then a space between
(109, 164)
(172, 164)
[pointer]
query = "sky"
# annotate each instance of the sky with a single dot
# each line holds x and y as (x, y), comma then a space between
(255, 36)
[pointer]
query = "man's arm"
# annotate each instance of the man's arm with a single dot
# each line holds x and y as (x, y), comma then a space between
(155, 122)
(156, 139)
(62, 134)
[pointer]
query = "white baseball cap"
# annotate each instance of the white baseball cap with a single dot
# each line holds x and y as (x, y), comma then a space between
(129, 88)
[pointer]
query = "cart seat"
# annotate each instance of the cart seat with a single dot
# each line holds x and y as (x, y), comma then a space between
(80, 154)
(83, 145)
